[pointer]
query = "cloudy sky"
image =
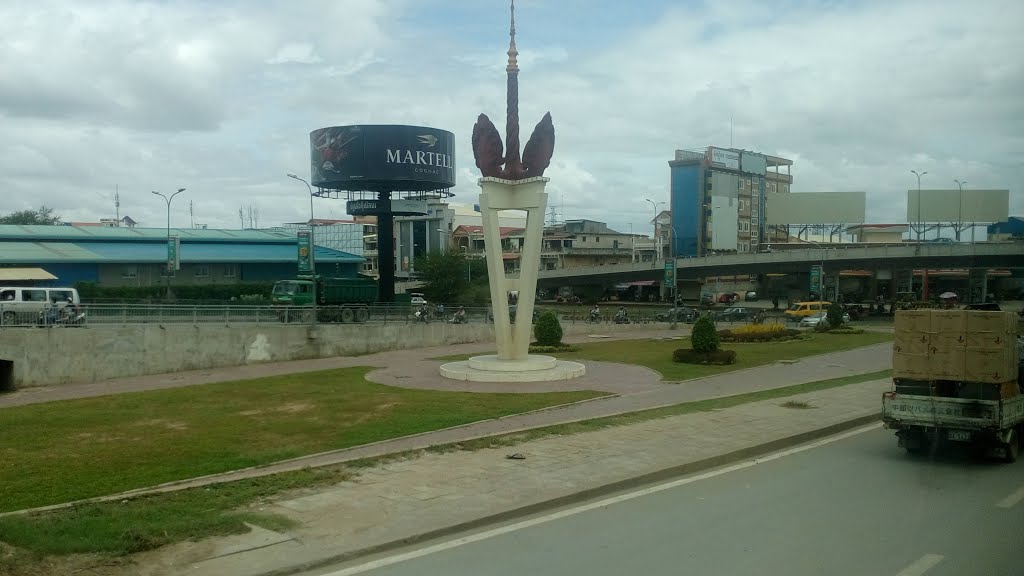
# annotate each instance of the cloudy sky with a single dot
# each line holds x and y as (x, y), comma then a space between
(219, 96)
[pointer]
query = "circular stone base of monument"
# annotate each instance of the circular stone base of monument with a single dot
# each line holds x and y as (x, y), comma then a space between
(535, 368)
(529, 364)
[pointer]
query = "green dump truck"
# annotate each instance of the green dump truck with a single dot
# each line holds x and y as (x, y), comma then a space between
(337, 299)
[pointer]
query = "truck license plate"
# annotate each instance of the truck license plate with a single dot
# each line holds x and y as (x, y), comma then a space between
(958, 435)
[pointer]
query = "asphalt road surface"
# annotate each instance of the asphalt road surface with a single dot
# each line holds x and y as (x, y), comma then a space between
(848, 505)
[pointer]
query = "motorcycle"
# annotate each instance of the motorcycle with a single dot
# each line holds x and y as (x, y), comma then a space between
(593, 318)
(67, 316)
(621, 318)
(422, 316)
(457, 319)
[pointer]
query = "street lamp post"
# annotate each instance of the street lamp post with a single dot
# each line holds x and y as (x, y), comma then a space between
(919, 226)
(960, 212)
(167, 200)
(312, 244)
(657, 239)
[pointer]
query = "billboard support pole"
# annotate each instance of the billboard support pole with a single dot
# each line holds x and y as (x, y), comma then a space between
(916, 173)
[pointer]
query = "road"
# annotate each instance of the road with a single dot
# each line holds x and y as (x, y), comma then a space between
(853, 504)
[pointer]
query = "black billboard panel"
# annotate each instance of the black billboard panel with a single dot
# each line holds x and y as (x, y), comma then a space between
(382, 157)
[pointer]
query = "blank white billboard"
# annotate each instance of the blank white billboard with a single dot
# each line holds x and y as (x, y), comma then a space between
(815, 208)
(951, 206)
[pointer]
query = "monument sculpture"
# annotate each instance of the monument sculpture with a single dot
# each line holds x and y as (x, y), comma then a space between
(511, 182)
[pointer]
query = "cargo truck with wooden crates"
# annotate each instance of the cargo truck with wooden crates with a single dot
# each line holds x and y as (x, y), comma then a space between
(957, 379)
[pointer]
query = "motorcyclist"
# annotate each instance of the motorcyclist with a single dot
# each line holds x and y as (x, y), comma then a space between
(595, 313)
(421, 314)
(439, 311)
(621, 315)
(460, 316)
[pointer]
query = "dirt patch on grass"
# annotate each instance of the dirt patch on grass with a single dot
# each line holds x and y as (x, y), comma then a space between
(294, 407)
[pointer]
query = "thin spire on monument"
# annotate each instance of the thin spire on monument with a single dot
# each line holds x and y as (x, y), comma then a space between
(513, 65)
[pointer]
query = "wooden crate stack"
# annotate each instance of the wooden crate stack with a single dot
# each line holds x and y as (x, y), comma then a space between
(975, 349)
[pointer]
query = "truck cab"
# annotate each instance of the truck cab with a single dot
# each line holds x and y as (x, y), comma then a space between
(293, 293)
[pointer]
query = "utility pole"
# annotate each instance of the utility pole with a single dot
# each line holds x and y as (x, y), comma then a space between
(919, 225)
(312, 241)
(960, 212)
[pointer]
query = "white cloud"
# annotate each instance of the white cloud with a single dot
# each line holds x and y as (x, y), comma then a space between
(220, 97)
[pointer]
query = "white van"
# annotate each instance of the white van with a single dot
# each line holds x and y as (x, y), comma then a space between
(22, 305)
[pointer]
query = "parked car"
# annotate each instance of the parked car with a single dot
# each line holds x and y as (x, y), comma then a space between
(707, 299)
(728, 298)
(815, 319)
(750, 296)
(735, 314)
(680, 314)
(802, 309)
(418, 300)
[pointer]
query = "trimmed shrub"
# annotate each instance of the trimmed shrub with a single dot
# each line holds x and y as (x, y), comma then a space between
(716, 357)
(780, 334)
(704, 336)
(834, 316)
(846, 331)
(536, 349)
(757, 329)
(548, 330)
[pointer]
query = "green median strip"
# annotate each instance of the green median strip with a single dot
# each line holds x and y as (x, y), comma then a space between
(147, 522)
(65, 451)
(657, 354)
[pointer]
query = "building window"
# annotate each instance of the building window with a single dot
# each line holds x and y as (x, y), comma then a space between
(785, 188)
(597, 239)
(583, 239)
(130, 271)
(230, 270)
(202, 271)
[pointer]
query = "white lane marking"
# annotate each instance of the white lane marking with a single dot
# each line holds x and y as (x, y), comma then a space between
(1012, 500)
(440, 547)
(922, 565)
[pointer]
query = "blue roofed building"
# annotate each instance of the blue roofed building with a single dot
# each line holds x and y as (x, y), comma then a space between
(1012, 229)
(138, 256)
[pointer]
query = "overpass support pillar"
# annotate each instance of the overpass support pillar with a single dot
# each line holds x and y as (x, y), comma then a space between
(977, 284)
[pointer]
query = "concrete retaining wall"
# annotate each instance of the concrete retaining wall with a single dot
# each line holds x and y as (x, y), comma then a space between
(54, 356)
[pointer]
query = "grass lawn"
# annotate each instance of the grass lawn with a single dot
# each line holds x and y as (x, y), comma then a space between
(152, 521)
(63, 451)
(657, 354)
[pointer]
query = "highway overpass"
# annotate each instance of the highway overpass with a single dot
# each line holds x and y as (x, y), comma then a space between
(791, 261)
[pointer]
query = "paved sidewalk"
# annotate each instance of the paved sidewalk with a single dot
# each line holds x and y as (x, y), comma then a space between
(408, 498)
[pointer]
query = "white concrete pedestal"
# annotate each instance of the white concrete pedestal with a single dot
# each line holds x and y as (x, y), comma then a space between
(512, 363)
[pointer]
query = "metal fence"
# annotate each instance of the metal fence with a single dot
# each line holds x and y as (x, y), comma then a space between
(122, 314)
(94, 314)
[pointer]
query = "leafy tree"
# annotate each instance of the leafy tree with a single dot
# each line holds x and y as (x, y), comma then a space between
(451, 277)
(43, 215)
(704, 337)
(548, 330)
(834, 315)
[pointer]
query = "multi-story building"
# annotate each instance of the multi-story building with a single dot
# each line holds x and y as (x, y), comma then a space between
(417, 235)
(582, 243)
(718, 200)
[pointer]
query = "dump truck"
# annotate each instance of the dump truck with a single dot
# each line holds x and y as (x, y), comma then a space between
(337, 299)
(956, 380)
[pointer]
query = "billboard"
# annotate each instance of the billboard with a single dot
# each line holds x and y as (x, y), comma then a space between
(724, 184)
(305, 253)
(815, 208)
(722, 158)
(753, 163)
(951, 206)
(382, 157)
(173, 253)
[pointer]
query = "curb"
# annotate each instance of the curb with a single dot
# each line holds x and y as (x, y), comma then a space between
(588, 494)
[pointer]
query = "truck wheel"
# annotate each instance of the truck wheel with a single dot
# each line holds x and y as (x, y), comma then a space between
(362, 315)
(347, 314)
(1012, 448)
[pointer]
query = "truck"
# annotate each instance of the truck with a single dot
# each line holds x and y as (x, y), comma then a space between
(957, 378)
(337, 299)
